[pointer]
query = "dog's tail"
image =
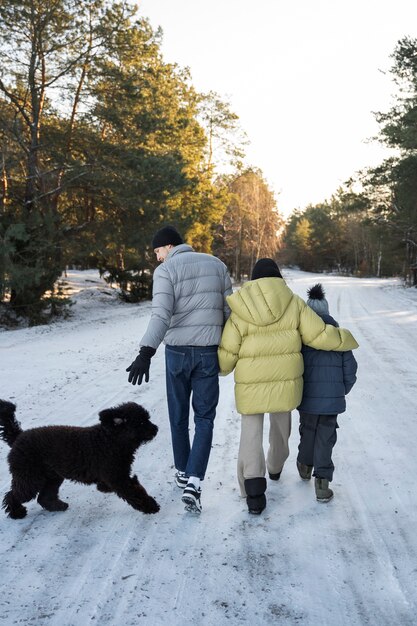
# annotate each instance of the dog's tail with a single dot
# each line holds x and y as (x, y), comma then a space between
(9, 426)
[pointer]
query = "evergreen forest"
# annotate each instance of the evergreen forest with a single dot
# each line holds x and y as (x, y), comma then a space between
(102, 142)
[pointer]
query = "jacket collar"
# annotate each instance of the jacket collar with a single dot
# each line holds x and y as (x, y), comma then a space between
(183, 247)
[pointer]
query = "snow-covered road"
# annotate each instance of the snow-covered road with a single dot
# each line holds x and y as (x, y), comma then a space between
(350, 562)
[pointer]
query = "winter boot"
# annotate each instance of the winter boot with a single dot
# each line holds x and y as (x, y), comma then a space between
(323, 493)
(274, 476)
(255, 490)
(304, 470)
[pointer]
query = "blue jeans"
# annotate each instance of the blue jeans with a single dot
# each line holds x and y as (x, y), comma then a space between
(192, 370)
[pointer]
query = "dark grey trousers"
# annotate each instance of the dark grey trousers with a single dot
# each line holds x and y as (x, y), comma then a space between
(317, 439)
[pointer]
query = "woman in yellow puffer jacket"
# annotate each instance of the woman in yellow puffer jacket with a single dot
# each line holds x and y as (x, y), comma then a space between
(262, 342)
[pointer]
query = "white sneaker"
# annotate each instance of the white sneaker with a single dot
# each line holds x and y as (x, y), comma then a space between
(181, 479)
(192, 499)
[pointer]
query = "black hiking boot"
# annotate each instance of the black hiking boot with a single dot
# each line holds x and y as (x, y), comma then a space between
(255, 490)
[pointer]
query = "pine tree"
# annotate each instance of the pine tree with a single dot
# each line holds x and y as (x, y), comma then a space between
(251, 223)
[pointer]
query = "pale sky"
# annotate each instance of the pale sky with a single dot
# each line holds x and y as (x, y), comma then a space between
(303, 77)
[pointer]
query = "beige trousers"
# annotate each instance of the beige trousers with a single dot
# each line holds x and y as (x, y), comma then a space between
(251, 457)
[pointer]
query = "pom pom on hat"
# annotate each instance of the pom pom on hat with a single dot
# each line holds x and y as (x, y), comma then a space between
(265, 268)
(316, 299)
(166, 236)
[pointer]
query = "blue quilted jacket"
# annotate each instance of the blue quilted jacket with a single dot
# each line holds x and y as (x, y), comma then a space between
(328, 377)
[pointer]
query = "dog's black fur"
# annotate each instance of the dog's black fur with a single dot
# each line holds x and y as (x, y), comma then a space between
(40, 459)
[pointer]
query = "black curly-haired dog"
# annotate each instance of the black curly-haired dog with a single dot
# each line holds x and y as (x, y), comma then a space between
(40, 459)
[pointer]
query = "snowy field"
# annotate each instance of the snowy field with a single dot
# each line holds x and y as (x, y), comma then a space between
(350, 562)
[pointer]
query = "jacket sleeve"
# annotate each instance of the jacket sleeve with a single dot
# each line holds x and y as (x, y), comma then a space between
(162, 308)
(316, 334)
(229, 347)
(350, 367)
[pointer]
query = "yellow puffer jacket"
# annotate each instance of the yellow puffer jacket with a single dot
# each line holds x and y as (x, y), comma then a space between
(262, 339)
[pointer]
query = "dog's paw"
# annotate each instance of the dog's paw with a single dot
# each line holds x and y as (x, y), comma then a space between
(150, 506)
(18, 513)
(60, 505)
(53, 505)
(12, 507)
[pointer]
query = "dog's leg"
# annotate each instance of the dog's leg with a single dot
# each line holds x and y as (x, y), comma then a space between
(48, 495)
(134, 494)
(13, 507)
(23, 489)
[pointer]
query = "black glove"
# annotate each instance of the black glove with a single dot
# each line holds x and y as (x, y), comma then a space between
(140, 366)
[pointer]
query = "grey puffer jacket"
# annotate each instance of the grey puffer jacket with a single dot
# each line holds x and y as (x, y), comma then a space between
(189, 305)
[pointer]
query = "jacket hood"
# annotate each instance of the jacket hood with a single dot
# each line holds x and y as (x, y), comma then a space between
(262, 301)
(328, 319)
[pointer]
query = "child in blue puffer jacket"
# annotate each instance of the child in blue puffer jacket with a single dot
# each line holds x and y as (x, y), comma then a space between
(328, 377)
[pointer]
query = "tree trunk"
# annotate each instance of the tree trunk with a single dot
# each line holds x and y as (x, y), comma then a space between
(3, 198)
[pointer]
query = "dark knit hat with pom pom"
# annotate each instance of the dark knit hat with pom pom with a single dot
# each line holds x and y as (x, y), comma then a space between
(316, 299)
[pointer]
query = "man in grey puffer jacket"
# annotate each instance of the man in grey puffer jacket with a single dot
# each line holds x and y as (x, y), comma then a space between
(189, 310)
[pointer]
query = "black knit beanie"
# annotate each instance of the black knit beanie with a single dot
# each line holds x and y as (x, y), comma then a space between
(166, 236)
(265, 268)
